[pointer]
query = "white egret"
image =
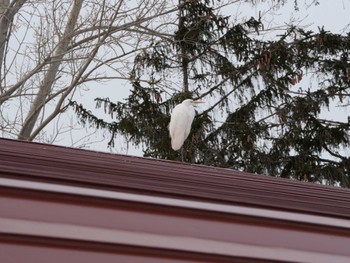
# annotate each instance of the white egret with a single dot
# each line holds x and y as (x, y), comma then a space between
(180, 122)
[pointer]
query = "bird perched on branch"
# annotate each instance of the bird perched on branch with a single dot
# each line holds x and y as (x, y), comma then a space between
(180, 122)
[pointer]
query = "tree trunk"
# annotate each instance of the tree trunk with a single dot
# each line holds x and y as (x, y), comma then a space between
(7, 13)
(4, 24)
(46, 85)
(183, 52)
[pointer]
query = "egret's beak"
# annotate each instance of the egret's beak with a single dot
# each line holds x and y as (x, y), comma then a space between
(197, 102)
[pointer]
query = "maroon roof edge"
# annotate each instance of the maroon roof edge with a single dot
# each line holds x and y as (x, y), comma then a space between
(73, 205)
(48, 163)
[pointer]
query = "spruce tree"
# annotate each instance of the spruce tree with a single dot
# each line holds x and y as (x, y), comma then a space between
(265, 98)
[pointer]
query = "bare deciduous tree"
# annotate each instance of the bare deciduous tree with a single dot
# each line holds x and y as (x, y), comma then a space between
(49, 50)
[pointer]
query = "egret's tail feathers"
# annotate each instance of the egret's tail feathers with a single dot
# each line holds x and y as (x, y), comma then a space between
(176, 144)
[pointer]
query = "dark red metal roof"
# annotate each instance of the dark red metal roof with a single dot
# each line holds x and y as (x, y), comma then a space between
(48, 163)
(92, 206)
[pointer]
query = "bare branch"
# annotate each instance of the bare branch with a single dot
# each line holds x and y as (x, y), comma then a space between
(51, 73)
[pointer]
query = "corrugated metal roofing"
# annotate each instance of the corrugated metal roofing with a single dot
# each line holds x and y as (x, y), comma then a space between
(49, 163)
(81, 206)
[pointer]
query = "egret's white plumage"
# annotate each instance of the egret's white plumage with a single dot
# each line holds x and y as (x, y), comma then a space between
(180, 123)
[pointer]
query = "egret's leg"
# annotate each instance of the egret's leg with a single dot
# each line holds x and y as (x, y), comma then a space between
(182, 153)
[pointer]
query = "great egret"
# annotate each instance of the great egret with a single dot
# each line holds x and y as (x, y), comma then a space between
(180, 122)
